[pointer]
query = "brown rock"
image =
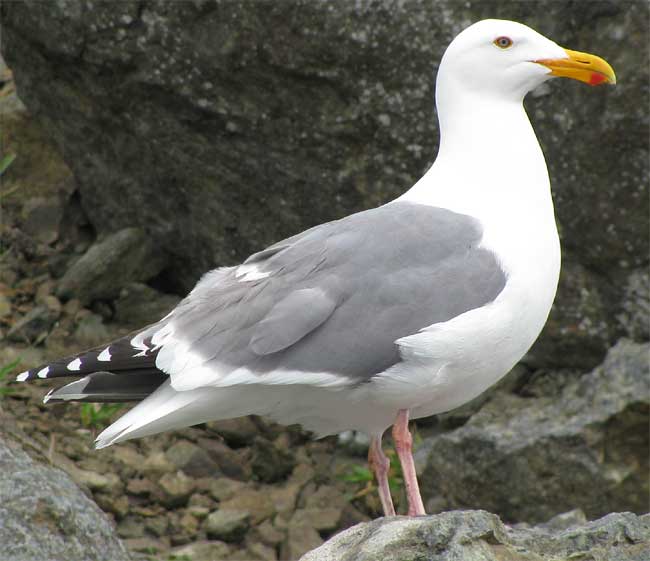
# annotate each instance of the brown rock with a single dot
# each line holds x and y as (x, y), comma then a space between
(192, 459)
(227, 525)
(223, 488)
(301, 538)
(229, 462)
(256, 502)
(236, 432)
(202, 551)
(176, 487)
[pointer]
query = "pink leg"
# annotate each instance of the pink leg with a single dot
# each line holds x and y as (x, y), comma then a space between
(379, 464)
(403, 445)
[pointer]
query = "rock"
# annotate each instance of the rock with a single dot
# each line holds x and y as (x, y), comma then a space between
(481, 536)
(269, 462)
(157, 464)
(349, 91)
(528, 459)
(139, 304)
(256, 502)
(176, 487)
(236, 432)
(202, 551)
(635, 316)
(301, 538)
(227, 525)
(90, 331)
(145, 545)
(130, 527)
(117, 505)
(108, 483)
(228, 461)
(42, 217)
(109, 265)
(44, 515)
(192, 459)
(223, 488)
(33, 326)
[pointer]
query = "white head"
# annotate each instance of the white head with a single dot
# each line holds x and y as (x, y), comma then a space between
(506, 59)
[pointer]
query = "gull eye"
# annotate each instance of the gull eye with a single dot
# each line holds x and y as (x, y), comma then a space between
(503, 42)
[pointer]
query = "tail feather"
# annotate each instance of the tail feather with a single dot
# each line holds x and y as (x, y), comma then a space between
(108, 387)
(122, 355)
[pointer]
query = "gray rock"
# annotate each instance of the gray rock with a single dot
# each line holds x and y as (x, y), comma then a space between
(121, 258)
(227, 525)
(193, 460)
(481, 536)
(177, 488)
(528, 459)
(229, 462)
(193, 150)
(41, 218)
(44, 515)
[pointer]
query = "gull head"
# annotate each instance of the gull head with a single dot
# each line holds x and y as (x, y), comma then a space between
(506, 60)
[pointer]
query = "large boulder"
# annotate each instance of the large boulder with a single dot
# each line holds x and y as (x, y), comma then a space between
(44, 515)
(219, 127)
(481, 536)
(530, 458)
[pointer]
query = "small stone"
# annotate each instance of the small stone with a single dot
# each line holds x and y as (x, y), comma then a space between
(198, 512)
(256, 502)
(141, 487)
(229, 462)
(193, 460)
(157, 525)
(130, 527)
(109, 483)
(227, 525)
(127, 456)
(269, 534)
(117, 505)
(176, 487)
(284, 498)
(223, 488)
(189, 524)
(121, 258)
(236, 432)
(300, 539)
(320, 518)
(260, 552)
(269, 463)
(202, 551)
(91, 330)
(157, 464)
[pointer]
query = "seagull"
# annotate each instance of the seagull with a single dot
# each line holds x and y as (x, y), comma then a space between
(399, 312)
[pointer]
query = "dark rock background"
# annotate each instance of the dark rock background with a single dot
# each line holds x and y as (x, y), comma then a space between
(161, 139)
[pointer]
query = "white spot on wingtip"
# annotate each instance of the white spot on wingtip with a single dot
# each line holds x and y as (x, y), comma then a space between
(22, 376)
(43, 372)
(48, 395)
(75, 364)
(105, 355)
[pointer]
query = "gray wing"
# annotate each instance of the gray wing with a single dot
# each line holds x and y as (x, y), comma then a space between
(332, 300)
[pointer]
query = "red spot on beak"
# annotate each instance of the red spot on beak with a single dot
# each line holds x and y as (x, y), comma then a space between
(596, 78)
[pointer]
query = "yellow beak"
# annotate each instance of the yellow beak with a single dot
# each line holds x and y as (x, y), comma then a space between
(587, 68)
